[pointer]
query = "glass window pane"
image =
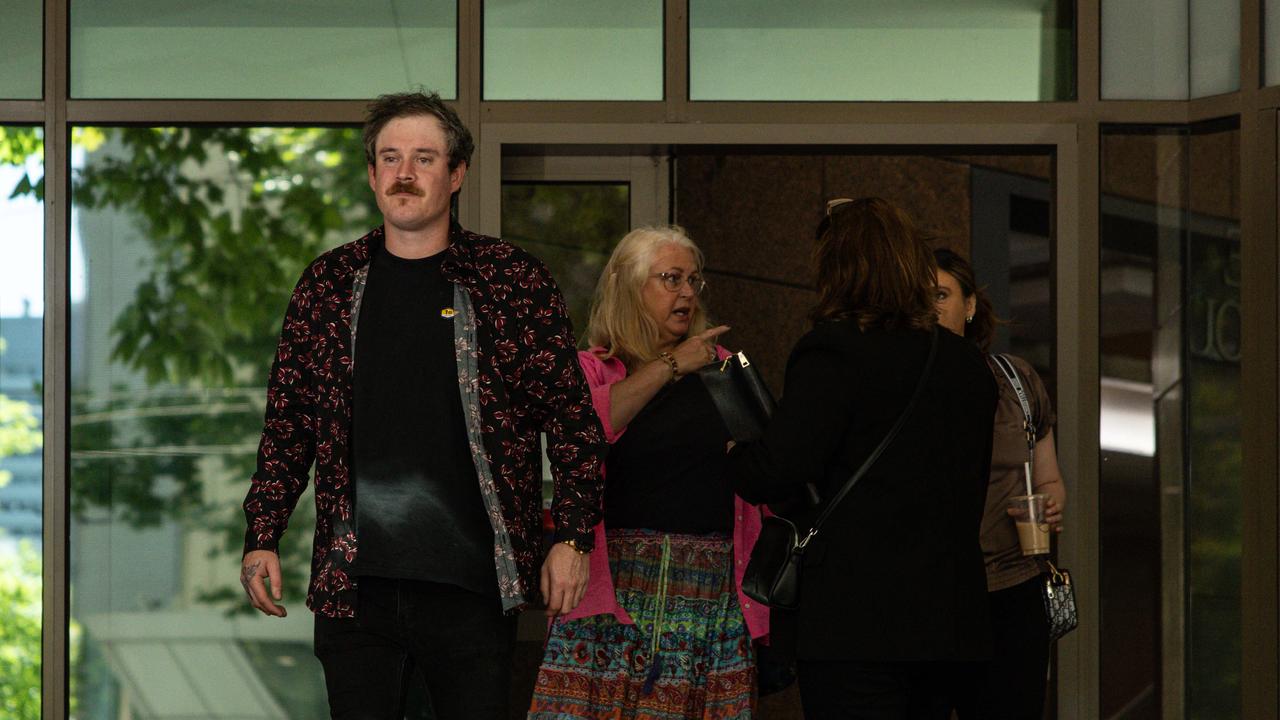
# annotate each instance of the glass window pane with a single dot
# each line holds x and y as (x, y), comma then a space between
(577, 50)
(1140, 568)
(1170, 504)
(1145, 53)
(186, 243)
(21, 416)
(1215, 47)
(1214, 454)
(322, 49)
(22, 40)
(874, 50)
(1271, 41)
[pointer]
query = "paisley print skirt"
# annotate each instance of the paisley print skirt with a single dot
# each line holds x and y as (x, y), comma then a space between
(688, 655)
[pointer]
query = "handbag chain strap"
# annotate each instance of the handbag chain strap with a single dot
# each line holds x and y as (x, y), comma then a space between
(875, 454)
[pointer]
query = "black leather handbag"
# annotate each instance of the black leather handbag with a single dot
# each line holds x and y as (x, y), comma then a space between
(773, 572)
(740, 395)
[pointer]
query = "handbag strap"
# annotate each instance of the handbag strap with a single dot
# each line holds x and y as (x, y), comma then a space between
(1028, 424)
(888, 438)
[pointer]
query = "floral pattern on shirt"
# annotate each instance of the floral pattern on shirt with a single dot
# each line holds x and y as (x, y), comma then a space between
(518, 376)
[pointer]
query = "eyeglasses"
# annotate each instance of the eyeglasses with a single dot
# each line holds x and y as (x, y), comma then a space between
(835, 203)
(672, 281)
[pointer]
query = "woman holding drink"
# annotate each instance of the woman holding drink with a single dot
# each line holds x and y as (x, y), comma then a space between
(1025, 498)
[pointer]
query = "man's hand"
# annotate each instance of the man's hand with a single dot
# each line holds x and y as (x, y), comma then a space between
(564, 579)
(259, 564)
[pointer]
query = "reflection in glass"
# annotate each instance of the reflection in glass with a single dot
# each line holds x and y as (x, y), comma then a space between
(556, 50)
(22, 40)
(21, 416)
(1142, 232)
(190, 242)
(1214, 453)
(306, 49)
(873, 50)
(572, 228)
(1170, 504)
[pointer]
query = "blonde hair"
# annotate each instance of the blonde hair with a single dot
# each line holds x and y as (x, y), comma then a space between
(619, 321)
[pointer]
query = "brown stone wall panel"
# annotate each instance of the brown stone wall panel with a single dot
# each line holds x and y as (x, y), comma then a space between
(752, 214)
(1215, 172)
(766, 320)
(1036, 166)
(933, 191)
(1129, 166)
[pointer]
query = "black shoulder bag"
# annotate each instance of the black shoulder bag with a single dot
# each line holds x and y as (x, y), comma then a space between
(773, 573)
(1056, 590)
(740, 396)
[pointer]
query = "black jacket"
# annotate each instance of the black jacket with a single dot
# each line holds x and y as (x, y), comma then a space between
(896, 573)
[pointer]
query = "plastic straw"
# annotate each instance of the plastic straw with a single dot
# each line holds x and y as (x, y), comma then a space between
(1027, 474)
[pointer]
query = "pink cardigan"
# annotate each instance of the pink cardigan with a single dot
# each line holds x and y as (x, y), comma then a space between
(600, 596)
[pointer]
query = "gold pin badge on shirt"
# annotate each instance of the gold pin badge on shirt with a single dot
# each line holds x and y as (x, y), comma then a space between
(447, 312)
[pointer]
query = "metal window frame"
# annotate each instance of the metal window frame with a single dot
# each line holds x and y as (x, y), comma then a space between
(1071, 127)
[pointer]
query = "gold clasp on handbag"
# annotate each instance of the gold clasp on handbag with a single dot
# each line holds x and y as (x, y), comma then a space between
(1057, 576)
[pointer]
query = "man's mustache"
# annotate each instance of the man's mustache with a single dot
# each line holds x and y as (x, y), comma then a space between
(403, 187)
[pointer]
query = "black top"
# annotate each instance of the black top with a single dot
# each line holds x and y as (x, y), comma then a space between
(419, 513)
(896, 573)
(667, 471)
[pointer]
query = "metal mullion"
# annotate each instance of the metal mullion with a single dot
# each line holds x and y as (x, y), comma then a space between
(1259, 374)
(21, 112)
(470, 62)
(573, 111)
(1077, 299)
(1088, 53)
(1131, 111)
(55, 618)
(1215, 106)
(676, 59)
(1268, 97)
(223, 112)
(1260, 358)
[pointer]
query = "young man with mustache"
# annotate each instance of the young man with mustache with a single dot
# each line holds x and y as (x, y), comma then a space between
(416, 367)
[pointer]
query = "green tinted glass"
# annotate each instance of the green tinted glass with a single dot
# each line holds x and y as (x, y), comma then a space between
(21, 44)
(578, 50)
(874, 50)
(302, 49)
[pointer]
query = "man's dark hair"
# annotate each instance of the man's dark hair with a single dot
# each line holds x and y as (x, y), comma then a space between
(397, 105)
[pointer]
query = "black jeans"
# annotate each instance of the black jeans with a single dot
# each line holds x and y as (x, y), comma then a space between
(880, 690)
(460, 641)
(1011, 685)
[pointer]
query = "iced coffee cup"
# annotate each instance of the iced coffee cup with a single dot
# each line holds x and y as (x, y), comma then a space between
(1028, 516)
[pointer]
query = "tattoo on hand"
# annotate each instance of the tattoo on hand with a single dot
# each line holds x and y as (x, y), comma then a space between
(247, 573)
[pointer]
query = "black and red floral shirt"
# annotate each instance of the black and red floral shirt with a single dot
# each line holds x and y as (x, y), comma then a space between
(518, 376)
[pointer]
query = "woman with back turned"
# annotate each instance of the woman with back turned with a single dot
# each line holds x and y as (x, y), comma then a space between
(893, 606)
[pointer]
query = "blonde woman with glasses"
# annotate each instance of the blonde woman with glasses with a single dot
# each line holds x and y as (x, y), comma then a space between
(663, 630)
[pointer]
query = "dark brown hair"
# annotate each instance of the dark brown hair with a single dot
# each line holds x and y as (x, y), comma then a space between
(982, 331)
(873, 267)
(397, 105)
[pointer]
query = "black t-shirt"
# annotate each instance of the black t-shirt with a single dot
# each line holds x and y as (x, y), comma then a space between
(667, 471)
(419, 511)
